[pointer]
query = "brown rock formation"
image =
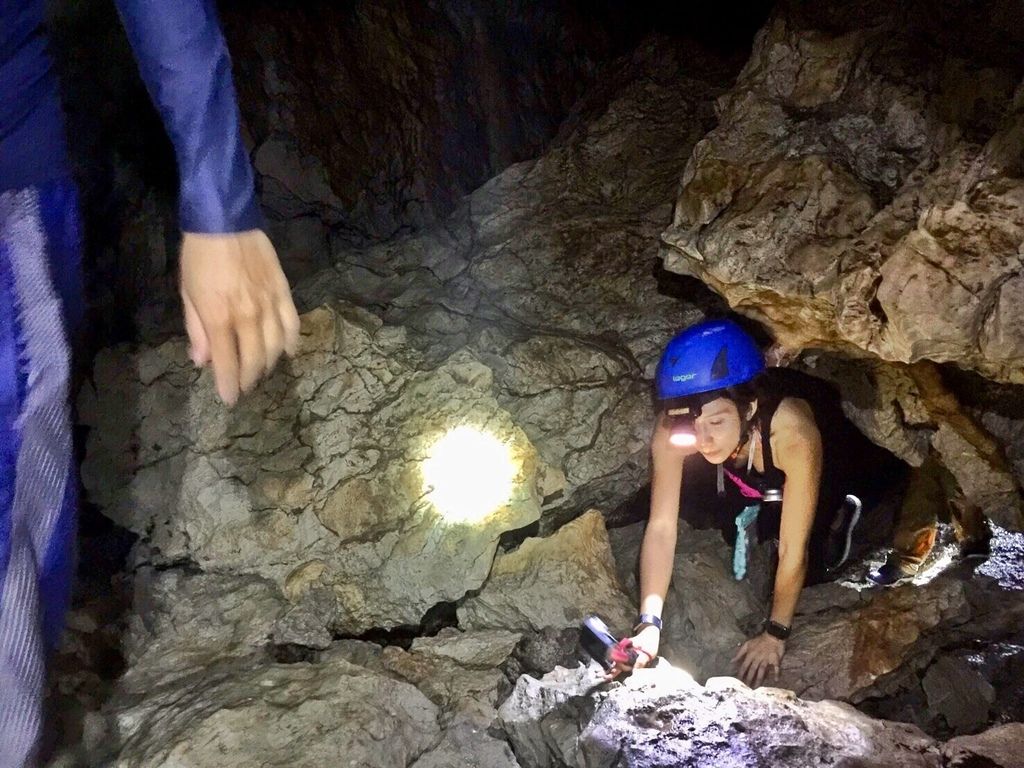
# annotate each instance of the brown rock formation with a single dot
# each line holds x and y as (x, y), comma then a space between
(863, 189)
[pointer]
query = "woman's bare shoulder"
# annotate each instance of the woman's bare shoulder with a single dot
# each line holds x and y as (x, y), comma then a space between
(793, 425)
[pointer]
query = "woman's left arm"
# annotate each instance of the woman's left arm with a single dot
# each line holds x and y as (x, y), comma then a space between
(796, 446)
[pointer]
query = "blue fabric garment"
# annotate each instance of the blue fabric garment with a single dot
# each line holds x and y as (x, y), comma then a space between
(31, 135)
(185, 64)
(745, 522)
(39, 287)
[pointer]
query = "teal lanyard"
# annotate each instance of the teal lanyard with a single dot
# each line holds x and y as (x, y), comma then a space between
(741, 552)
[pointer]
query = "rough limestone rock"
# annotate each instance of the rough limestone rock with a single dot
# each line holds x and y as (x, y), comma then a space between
(246, 713)
(883, 401)
(541, 715)
(181, 622)
(458, 671)
(999, 747)
(316, 483)
(661, 717)
(863, 190)
(911, 411)
(552, 582)
(540, 652)
(470, 694)
(960, 694)
(480, 649)
(466, 745)
(1010, 433)
(841, 654)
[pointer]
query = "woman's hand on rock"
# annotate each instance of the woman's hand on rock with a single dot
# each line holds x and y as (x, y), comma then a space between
(645, 643)
(758, 658)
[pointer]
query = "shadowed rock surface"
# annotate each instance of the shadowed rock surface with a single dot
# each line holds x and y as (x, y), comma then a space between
(546, 273)
(244, 714)
(416, 105)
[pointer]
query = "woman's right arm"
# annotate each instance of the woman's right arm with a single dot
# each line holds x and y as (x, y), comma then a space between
(657, 552)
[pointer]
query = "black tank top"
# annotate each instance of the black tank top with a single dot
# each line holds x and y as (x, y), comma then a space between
(851, 463)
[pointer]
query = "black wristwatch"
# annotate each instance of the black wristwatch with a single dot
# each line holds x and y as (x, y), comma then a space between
(647, 620)
(776, 630)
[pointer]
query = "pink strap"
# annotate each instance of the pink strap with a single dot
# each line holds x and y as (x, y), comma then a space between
(745, 490)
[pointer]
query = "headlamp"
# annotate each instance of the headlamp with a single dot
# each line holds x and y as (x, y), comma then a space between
(682, 432)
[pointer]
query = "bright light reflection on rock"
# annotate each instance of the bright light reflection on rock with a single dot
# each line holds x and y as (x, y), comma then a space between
(1006, 565)
(940, 560)
(665, 675)
(468, 475)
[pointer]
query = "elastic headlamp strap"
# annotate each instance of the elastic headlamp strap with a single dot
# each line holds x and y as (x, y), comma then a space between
(744, 436)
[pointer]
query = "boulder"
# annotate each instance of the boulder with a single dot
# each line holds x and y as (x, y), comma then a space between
(181, 622)
(999, 747)
(245, 713)
(959, 693)
(552, 582)
(841, 654)
(458, 671)
(482, 649)
(661, 717)
(541, 715)
(466, 745)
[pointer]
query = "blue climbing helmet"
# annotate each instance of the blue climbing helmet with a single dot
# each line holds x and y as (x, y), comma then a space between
(706, 357)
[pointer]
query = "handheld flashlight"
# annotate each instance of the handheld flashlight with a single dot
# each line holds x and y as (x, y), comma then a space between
(601, 645)
(682, 432)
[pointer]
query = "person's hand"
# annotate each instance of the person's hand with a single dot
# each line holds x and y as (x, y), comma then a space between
(758, 657)
(645, 643)
(663, 452)
(239, 312)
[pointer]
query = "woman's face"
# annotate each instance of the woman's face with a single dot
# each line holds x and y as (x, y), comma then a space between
(718, 430)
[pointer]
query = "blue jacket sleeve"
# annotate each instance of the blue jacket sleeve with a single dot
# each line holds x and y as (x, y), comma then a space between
(184, 62)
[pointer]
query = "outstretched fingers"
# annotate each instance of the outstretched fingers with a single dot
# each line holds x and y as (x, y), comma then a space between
(224, 356)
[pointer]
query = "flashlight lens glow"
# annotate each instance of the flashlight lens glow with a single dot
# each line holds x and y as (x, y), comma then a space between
(469, 475)
(683, 439)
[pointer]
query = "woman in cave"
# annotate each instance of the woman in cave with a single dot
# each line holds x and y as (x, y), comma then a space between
(761, 454)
